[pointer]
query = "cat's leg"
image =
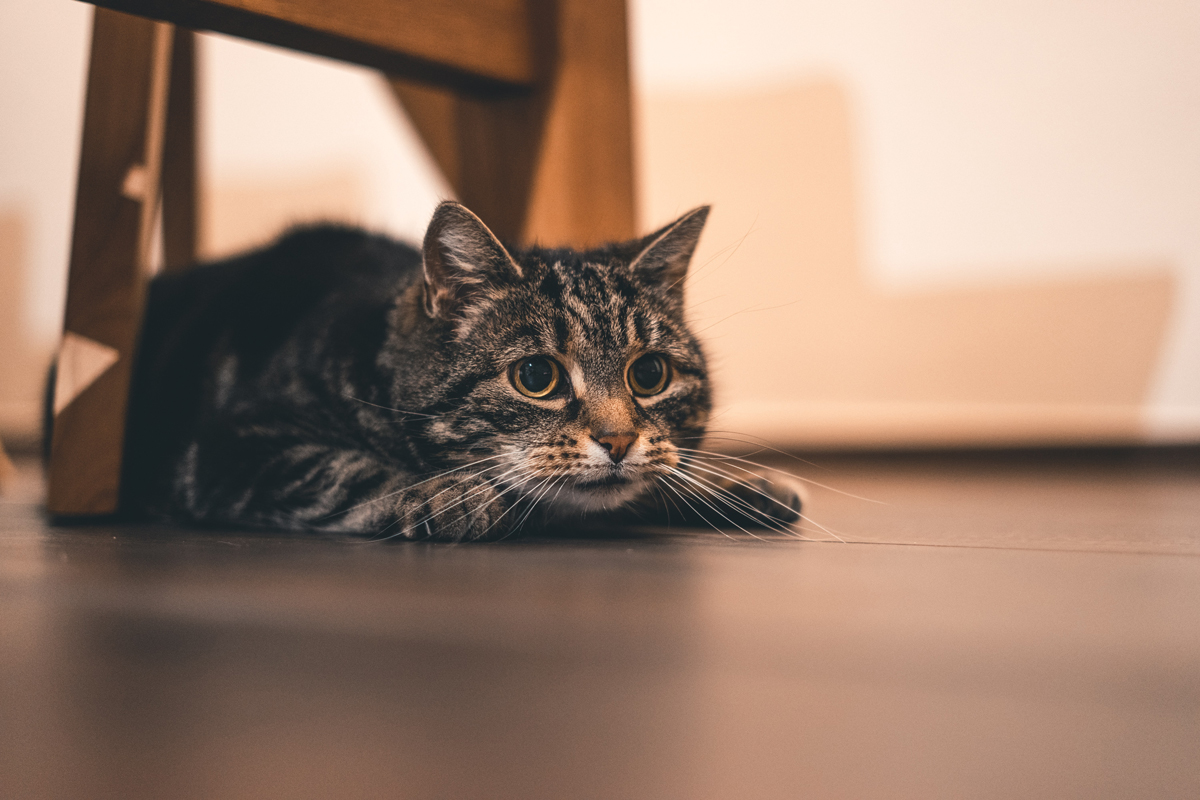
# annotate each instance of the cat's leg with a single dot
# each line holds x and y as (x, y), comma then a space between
(708, 498)
(448, 508)
(260, 482)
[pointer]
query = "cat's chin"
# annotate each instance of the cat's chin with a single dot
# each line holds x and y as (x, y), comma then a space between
(607, 493)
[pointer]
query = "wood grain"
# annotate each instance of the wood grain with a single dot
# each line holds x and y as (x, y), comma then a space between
(556, 167)
(479, 46)
(148, 661)
(108, 249)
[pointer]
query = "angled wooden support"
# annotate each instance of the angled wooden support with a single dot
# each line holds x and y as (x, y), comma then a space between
(555, 167)
(115, 214)
(477, 46)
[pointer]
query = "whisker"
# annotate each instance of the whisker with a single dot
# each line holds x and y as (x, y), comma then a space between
(389, 408)
(545, 488)
(668, 497)
(693, 274)
(724, 318)
(761, 446)
(667, 483)
(759, 443)
(702, 499)
(731, 498)
(771, 521)
(514, 504)
(726, 457)
(731, 477)
(403, 489)
(489, 483)
(523, 515)
(499, 496)
(707, 502)
(679, 489)
(723, 474)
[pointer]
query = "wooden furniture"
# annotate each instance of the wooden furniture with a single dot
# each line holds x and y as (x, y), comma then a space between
(524, 105)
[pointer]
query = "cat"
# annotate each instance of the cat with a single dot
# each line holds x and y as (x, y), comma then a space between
(340, 380)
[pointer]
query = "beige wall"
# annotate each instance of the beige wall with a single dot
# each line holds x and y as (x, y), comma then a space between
(989, 147)
(22, 358)
(810, 351)
(934, 222)
(42, 52)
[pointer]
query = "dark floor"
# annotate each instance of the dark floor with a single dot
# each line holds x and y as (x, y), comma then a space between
(997, 626)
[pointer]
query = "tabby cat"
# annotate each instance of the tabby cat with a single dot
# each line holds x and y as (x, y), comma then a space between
(344, 381)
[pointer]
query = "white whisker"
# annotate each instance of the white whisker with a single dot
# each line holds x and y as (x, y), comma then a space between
(401, 490)
(488, 484)
(770, 520)
(709, 502)
(802, 516)
(389, 408)
(721, 473)
(535, 499)
(727, 457)
(678, 489)
(515, 487)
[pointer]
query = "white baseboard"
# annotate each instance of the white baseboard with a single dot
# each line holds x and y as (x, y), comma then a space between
(916, 425)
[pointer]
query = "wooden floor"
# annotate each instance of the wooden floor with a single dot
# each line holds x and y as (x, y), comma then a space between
(996, 627)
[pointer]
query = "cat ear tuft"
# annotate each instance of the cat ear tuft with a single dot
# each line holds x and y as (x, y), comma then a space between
(460, 255)
(666, 253)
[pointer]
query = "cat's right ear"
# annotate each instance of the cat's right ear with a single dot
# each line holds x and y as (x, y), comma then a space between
(461, 255)
(665, 254)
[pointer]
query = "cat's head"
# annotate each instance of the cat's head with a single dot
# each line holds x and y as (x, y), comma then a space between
(574, 372)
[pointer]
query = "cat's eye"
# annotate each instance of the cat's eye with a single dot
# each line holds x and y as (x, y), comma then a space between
(535, 376)
(649, 375)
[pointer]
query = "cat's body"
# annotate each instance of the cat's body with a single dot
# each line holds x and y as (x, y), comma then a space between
(341, 380)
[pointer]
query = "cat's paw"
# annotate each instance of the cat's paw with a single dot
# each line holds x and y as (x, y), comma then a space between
(451, 509)
(748, 500)
(764, 502)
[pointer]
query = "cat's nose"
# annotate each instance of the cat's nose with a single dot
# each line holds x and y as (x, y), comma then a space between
(616, 444)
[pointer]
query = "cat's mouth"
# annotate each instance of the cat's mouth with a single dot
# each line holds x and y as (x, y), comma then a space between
(600, 482)
(602, 491)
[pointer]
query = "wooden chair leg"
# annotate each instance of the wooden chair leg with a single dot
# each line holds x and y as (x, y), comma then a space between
(555, 167)
(487, 149)
(115, 207)
(180, 181)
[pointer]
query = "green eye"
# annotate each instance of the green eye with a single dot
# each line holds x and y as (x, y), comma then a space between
(536, 376)
(649, 375)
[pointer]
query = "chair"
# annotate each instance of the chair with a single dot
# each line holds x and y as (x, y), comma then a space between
(524, 105)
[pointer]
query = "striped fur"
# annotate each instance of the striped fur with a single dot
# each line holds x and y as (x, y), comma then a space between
(340, 380)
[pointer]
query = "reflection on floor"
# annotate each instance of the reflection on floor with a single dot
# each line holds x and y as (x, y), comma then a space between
(1024, 626)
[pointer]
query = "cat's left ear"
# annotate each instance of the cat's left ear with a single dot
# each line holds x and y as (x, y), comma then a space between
(460, 256)
(666, 253)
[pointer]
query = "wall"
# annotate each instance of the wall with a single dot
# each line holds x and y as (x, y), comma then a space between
(1009, 194)
(934, 222)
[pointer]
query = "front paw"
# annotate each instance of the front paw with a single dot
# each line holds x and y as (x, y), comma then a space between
(745, 499)
(451, 509)
(764, 502)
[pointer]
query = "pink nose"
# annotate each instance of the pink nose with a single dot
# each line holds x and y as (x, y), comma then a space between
(616, 444)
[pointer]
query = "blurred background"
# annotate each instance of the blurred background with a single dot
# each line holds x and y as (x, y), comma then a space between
(935, 223)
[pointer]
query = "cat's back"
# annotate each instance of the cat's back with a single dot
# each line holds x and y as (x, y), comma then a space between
(255, 301)
(308, 283)
(324, 290)
(277, 284)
